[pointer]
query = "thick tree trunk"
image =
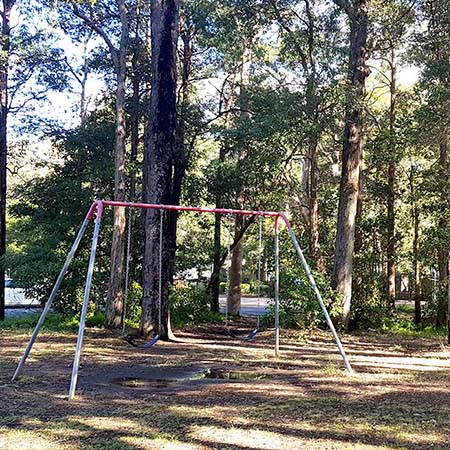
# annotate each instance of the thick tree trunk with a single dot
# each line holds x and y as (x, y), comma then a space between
(115, 299)
(5, 48)
(161, 141)
(351, 155)
(234, 289)
(390, 253)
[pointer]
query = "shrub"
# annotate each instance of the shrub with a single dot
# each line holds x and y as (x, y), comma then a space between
(190, 305)
(298, 302)
(245, 289)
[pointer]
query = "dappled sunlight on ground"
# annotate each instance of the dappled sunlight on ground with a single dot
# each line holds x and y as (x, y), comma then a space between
(399, 396)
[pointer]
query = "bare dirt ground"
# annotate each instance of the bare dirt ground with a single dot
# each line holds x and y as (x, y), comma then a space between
(159, 398)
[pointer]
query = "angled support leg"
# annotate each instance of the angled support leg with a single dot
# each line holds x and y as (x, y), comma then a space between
(87, 290)
(52, 296)
(318, 295)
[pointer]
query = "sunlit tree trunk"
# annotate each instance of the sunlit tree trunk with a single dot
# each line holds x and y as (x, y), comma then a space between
(115, 298)
(391, 257)
(357, 12)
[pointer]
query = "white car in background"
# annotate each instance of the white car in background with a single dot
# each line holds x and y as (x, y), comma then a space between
(14, 296)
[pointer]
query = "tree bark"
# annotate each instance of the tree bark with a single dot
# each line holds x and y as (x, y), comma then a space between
(161, 140)
(234, 285)
(115, 298)
(4, 61)
(351, 153)
(313, 114)
(114, 301)
(391, 257)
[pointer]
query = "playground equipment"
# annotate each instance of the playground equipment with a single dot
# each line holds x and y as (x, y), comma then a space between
(97, 209)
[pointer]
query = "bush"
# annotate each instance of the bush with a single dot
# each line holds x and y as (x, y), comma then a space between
(298, 302)
(245, 289)
(190, 305)
(54, 321)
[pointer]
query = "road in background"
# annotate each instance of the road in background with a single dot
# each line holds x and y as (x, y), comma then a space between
(249, 305)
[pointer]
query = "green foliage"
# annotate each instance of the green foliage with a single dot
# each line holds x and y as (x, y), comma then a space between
(189, 305)
(405, 327)
(298, 302)
(54, 321)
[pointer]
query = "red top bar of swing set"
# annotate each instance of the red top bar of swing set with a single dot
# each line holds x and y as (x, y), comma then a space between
(98, 207)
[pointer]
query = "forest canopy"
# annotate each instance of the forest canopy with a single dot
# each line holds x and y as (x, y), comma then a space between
(336, 112)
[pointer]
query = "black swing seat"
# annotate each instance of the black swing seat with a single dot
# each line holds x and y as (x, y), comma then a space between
(148, 344)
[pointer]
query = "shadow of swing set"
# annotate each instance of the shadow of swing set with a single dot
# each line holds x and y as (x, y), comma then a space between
(97, 209)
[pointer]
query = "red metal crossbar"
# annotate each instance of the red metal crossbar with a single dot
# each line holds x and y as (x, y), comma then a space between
(98, 206)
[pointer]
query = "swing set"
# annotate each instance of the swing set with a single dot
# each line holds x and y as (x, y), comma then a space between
(97, 209)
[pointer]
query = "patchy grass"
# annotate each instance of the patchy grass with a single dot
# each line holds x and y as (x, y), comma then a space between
(398, 399)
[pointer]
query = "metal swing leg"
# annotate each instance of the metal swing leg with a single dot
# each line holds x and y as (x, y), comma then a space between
(48, 305)
(87, 289)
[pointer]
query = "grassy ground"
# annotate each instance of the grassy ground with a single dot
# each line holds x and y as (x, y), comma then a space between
(399, 398)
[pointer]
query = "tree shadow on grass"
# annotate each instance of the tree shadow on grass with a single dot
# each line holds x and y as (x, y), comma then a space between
(341, 410)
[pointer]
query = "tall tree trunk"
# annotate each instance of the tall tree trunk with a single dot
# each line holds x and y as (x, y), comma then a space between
(4, 61)
(234, 287)
(161, 141)
(391, 258)
(351, 153)
(115, 299)
(313, 113)
(135, 120)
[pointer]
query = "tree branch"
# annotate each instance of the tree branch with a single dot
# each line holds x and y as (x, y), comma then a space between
(94, 26)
